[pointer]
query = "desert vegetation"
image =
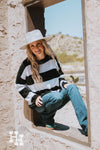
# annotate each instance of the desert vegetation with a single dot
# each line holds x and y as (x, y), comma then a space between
(69, 50)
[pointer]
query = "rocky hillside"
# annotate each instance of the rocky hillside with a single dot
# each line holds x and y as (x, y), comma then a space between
(70, 53)
(68, 49)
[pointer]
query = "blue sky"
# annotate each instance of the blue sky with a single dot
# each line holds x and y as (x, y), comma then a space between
(65, 17)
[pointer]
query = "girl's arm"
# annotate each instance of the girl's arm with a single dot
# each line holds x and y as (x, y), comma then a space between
(22, 87)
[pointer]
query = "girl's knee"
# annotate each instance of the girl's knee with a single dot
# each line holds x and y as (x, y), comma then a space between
(72, 85)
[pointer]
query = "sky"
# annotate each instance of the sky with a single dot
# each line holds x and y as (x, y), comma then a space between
(64, 17)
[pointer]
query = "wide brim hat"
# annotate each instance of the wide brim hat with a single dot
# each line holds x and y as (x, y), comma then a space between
(32, 36)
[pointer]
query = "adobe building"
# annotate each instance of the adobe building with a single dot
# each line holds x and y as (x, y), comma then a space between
(16, 18)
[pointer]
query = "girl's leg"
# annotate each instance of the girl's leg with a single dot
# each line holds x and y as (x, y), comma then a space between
(56, 100)
(48, 118)
(80, 109)
(51, 102)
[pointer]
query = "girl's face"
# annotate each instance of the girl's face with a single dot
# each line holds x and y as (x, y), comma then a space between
(37, 49)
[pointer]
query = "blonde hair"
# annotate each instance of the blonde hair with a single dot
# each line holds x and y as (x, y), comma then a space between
(34, 65)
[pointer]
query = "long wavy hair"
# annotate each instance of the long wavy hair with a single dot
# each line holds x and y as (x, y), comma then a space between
(34, 65)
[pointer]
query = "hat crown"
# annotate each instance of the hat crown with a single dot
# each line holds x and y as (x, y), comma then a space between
(33, 36)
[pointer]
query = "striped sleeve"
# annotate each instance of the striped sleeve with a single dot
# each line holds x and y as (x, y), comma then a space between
(22, 88)
(62, 80)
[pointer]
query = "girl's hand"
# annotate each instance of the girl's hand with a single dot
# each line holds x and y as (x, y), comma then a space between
(38, 101)
(66, 85)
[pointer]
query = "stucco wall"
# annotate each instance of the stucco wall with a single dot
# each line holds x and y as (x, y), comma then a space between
(12, 29)
(93, 66)
(6, 82)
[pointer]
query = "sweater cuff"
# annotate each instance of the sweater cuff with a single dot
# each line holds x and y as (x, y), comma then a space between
(64, 83)
(33, 101)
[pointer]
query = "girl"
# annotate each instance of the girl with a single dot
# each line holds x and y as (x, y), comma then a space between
(41, 82)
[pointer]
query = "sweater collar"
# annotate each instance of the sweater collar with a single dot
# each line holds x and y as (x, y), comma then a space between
(47, 57)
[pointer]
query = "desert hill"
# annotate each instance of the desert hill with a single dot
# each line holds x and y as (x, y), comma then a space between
(68, 49)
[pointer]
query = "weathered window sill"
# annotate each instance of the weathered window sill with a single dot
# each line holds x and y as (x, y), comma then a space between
(69, 133)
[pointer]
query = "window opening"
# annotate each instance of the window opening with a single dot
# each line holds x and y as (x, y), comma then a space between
(36, 20)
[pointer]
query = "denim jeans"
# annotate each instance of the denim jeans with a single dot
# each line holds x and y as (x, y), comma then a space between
(55, 100)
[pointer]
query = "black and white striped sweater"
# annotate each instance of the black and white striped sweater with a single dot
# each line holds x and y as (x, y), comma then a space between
(51, 73)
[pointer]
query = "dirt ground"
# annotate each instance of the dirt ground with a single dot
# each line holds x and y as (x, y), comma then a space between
(67, 116)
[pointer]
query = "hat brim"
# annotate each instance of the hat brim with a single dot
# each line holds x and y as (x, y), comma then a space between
(25, 46)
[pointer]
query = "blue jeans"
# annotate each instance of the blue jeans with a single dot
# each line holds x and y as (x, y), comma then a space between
(55, 100)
